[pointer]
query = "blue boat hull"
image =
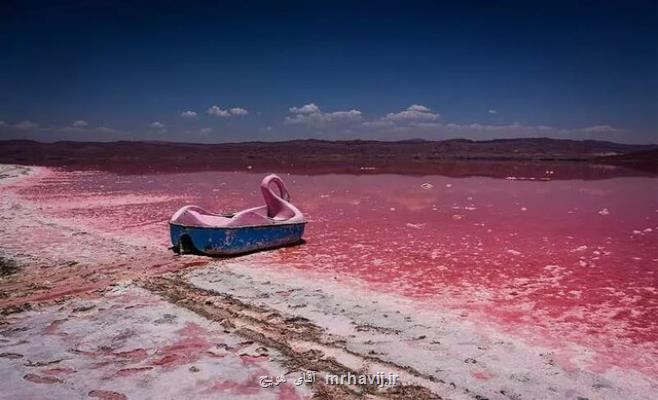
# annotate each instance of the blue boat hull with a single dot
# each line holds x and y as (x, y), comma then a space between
(232, 241)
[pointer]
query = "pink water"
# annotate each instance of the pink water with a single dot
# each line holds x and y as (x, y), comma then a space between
(556, 262)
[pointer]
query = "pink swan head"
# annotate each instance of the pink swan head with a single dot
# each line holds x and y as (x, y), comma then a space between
(278, 205)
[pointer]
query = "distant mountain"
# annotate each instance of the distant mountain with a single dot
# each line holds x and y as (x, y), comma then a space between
(456, 157)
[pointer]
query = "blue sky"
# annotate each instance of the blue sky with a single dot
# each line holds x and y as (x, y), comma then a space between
(222, 71)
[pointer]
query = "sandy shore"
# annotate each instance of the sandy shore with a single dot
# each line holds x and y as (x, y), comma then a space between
(91, 313)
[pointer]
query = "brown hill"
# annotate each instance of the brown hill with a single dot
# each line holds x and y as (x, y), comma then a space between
(497, 158)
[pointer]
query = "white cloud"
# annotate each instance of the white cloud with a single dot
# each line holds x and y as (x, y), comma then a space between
(492, 112)
(188, 114)
(206, 130)
(239, 111)
(414, 113)
(218, 112)
(266, 129)
(380, 123)
(80, 123)
(309, 108)
(311, 116)
(420, 121)
(26, 125)
(158, 126)
(418, 107)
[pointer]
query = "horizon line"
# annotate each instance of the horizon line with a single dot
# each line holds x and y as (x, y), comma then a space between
(412, 140)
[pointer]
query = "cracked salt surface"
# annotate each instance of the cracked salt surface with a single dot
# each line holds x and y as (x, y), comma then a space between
(130, 344)
(460, 358)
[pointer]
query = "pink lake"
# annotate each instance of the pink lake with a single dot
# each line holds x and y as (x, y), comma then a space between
(554, 262)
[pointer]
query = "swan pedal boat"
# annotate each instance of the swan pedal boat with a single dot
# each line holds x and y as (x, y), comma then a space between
(277, 223)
